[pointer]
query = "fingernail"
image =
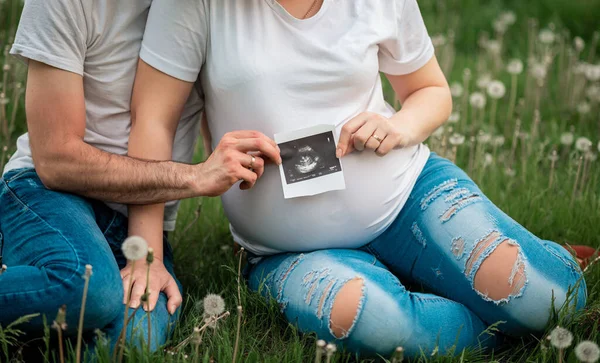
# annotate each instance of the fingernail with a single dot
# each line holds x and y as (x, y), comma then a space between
(134, 304)
(338, 153)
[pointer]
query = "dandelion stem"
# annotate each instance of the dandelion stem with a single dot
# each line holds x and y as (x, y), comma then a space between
(239, 307)
(121, 340)
(513, 99)
(579, 164)
(149, 260)
(552, 166)
(61, 352)
(210, 321)
(86, 277)
(493, 114)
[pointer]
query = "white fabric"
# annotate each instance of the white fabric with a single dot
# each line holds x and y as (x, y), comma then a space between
(99, 40)
(263, 69)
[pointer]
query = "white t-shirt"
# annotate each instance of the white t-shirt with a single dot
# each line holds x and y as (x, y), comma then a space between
(263, 69)
(99, 40)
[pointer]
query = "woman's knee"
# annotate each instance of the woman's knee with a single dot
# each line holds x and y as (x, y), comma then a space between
(104, 302)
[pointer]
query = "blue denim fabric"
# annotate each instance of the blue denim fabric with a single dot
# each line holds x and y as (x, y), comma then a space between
(46, 239)
(439, 240)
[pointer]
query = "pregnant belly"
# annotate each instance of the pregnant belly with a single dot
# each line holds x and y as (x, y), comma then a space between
(376, 188)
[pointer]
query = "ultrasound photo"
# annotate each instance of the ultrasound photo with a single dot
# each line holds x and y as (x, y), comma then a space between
(309, 165)
(310, 157)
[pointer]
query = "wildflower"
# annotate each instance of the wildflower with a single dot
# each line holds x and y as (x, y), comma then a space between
(330, 350)
(508, 17)
(3, 100)
(213, 304)
(456, 139)
(500, 26)
(584, 108)
(477, 100)
(561, 338)
(580, 68)
(538, 71)
(438, 132)
(499, 141)
(488, 159)
(60, 323)
(454, 117)
(553, 157)
(547, 36)
(515, 66)
(6, 68)
(567, 138)
(483, 81)
(510, 172)
(494, 47)
(467, 73)
(587, 351)
(579, 44)
(590, 156)
(438, 40)
(135, 248)
(456, 89)
(398, 355)
(496, 89)
(320, 350)
(592, 73)
(484, 138)
(593, 93)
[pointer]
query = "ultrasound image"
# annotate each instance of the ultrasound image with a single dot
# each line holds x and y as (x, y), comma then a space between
(309, 157)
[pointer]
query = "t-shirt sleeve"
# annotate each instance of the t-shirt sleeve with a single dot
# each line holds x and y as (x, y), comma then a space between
(176, 37)
(409, 48)
(53, 32)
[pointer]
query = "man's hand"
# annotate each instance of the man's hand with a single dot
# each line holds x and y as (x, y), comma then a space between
(241, 155)
(371, 131)
(160, 281)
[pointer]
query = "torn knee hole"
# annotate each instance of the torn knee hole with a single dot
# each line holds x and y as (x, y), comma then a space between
(479, 249)
(346, 307)
(502, 274)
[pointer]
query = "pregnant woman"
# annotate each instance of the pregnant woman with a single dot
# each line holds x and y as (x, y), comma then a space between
(338, 263)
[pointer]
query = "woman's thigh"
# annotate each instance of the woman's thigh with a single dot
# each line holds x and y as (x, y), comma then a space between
(308, 288)
(452, 239)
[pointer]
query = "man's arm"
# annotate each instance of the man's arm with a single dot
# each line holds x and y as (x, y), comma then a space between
(56, 118)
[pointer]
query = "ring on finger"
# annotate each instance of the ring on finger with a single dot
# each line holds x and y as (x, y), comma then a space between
(252, 161)
(379, 139)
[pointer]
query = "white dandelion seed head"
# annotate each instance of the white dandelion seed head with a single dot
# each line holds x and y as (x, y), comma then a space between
(593, 93)
(515, 66)
(456, 89)
(213, 304)
(454, 117)
(547, 36)
(484, 138)
(561, 338)
(524, 135)
(587, 351)
(438, 40)
(584, 108)
(493, 46)
(499, 141)
(6, 68)
(330, 348)
(590, 156)
(210, 320)
(456, 139)
(496, 89)
(538, 71)
(467, 73)
(477, 100)
(579, 44)
(500, 26)
(509, 17)
(567, 138)
(580, 68)
(438, 132)
(488, 159)
(553, 157)
(135, 248)
(583, 144)
(483, 81)
(321, 343)
(592, 72)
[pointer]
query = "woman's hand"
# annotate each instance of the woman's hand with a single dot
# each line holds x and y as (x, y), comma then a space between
(371, 131)
(160, 281)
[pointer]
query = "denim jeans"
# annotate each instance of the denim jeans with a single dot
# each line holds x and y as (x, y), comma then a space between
(46, 239)
(439, 241)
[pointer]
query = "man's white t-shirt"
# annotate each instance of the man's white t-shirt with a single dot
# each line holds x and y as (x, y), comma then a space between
(99, 40)
(263, 69)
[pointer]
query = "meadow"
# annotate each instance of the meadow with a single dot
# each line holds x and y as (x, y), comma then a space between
(525, 78)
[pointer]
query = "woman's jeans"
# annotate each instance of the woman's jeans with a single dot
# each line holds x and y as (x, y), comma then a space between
(443, 234)
(46, 240)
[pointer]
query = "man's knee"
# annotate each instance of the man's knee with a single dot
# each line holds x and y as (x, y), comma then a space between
(104, 298)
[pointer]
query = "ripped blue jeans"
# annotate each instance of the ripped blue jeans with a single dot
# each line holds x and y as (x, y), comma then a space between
(440, 241)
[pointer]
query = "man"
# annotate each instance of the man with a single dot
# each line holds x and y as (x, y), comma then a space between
(54, 221)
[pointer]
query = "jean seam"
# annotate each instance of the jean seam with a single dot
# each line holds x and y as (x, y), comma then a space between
(18, 175)
(112, 221)
(27, 209)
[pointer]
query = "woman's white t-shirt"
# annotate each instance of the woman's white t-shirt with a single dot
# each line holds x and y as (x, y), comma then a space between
(263, 69)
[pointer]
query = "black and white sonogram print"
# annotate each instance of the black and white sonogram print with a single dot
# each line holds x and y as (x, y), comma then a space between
(309, 157)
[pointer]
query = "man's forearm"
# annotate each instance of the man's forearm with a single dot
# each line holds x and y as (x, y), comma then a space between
(85, 170)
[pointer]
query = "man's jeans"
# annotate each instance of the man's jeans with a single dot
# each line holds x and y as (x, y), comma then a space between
(46, 240)
(439, 241)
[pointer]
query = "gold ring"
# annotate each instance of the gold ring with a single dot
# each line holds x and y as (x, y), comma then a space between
(252, 161)
(379, 139)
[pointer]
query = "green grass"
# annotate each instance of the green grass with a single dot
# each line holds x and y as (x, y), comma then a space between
(203, 246)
